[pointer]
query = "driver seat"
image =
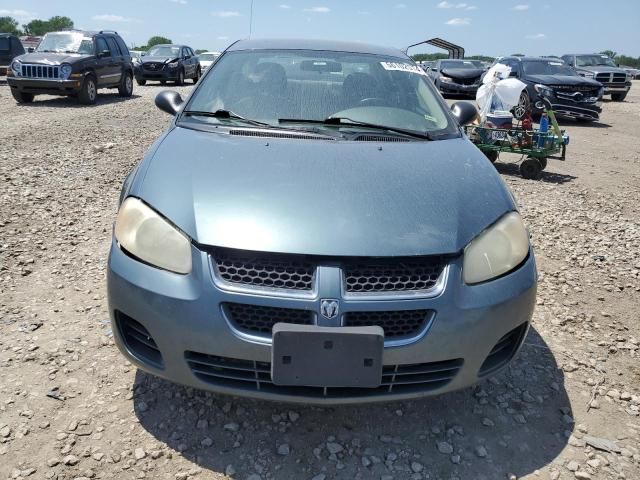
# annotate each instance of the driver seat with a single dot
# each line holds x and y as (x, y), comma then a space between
(358, 86)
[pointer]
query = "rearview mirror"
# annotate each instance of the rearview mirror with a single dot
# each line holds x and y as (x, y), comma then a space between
(30, 50)
(169, 101)
(465, 112)
(320, 66)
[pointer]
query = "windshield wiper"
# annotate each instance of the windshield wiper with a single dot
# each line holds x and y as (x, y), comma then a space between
(228, 114)
(349, 122)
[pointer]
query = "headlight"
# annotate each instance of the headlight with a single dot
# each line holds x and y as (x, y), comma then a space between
(146, 235)
(587, 74)
(65, 71)
(445, 79)
(543, 90)
(496, 251)
(173, 64)
(16, 66)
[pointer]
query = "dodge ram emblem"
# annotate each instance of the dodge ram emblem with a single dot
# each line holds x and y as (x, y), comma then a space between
(329, 308)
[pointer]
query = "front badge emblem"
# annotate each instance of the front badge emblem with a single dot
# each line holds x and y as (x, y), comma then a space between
(329, 308)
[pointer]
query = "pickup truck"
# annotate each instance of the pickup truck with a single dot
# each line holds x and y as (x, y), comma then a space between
(602, 68)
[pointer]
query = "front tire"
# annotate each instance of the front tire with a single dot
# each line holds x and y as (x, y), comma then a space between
(141, 82)
(492, 155)
(197, 77)
(89, 91)
(524, 105)
(125, 89)
(180, 78)
(22, 97)
(618, 97)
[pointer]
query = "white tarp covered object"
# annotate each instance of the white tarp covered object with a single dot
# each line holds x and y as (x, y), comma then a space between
(498, 91)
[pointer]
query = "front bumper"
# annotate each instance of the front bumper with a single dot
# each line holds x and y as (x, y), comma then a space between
(564, 108)
(165, 73)
(456, 88)
(610, 88)
(183, 316)
(42, 86)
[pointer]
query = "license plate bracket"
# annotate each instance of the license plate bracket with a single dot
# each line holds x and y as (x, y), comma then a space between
(314, 356)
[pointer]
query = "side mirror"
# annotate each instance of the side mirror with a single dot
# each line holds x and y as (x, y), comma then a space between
(31, 50)
(513, 73)
(465, 112)
(169, 101)
(104, 53)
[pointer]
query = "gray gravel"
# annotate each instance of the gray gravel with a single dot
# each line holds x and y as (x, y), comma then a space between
(72, 408)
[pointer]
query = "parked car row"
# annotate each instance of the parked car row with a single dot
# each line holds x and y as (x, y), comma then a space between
(574, 84)
(78, 63)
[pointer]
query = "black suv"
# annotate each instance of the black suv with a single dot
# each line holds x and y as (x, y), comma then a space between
(73, 63)
(10, 47)
(605, 70)
(570, 94)
(168, 63)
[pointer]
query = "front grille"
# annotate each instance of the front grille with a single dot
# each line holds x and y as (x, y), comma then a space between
(503, 351)
(396, 324)
(260, 320)
(138, 340)
(40, 71)
(153, 66)
(619, 77)
(256, 376)
(603, 77)
(466, 81)
(393, 275)
(293, 272)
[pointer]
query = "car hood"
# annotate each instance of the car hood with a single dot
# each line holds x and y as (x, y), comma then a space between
(602, 69)
(464, 73)
(323, 197)
(49, 58)
(146, 59)
(562, 80)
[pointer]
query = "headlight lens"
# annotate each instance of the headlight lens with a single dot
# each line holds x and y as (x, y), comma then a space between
(587, 74)
(16, 66)
(173, 64)
(65, 71)
(445, 79)
(146, 235)
(543, 90)
(496, 251)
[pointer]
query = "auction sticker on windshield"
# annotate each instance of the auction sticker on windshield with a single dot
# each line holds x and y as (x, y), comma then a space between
(403, 67)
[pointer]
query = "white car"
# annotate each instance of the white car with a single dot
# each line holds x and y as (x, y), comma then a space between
(206, 59)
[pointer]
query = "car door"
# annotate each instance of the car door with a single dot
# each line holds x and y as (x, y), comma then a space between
(103, 61)
(187, 60)
(115, 65)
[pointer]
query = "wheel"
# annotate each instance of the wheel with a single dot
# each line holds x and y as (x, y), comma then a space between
(530, 168)
(22, 97)
(524, 104)
(492, 155)
(618, 97)
(141, 82)
(125, 89)
(180, 79)
(197, 77)
(89, 91)
(543, 162)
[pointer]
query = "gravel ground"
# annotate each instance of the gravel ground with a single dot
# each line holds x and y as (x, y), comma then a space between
(72, 408)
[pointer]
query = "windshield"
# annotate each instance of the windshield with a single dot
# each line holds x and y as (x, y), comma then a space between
(164, 51)
(208, 57)
(66, 42)
(457, 64)
(547, 68)
(272, 85)
(593, 60)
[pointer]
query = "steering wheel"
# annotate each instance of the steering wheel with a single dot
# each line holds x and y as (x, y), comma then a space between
(373, 102)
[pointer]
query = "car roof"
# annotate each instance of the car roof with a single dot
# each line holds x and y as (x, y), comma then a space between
(7, 35)
(304, 44)
(531, 59)
(168, 45)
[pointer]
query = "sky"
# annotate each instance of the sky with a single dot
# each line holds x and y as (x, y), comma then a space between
(489, 27)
